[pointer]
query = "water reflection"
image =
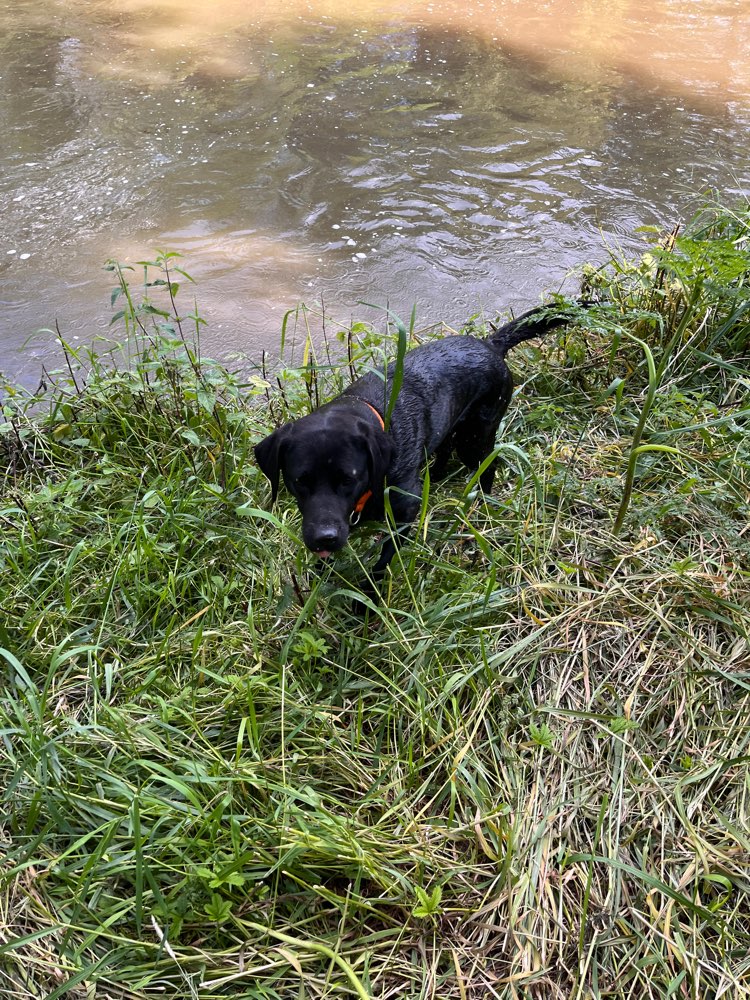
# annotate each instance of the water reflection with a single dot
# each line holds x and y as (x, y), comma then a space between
(456, 156)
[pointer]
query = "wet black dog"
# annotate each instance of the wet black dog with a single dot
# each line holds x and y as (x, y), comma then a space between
(337, 461)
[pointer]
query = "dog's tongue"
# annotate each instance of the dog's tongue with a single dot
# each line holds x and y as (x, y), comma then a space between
(323, 554)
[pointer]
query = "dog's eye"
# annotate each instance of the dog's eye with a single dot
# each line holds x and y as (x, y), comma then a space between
(302, 482)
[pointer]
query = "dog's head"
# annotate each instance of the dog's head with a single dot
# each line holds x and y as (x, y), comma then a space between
(330, 461)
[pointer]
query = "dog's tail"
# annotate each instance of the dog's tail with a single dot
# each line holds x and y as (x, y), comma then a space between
(534, 323)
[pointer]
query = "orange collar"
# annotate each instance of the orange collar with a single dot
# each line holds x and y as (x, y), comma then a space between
(380, 419)
(360, 504)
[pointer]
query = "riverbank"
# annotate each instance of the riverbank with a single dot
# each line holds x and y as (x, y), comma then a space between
(524, 776)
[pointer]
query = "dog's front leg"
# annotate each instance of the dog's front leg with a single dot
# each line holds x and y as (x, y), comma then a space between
(388, 550)
(370, 586)
(405, 500)
(404, 507)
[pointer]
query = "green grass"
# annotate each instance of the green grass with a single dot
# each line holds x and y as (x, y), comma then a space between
(525, 775)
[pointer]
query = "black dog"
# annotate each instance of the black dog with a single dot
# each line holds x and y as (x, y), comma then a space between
(337, 461)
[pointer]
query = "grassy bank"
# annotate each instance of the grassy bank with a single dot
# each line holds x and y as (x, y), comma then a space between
(525, 776)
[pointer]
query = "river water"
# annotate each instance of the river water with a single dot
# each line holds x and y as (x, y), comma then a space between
(456, 156)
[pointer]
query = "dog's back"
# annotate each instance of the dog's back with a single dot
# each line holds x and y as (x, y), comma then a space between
(451, 384)
(441, 380)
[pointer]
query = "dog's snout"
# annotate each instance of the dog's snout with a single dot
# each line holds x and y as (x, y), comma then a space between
(324, 539)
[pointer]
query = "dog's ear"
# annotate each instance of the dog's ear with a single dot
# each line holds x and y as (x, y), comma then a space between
(379, 453)
(269, 454)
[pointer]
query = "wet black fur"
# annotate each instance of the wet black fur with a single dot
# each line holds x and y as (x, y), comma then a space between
(453, 396)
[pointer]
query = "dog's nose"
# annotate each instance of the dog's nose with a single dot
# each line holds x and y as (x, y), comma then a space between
(324, 540)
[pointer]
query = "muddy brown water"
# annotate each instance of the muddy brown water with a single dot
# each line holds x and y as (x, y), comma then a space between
(456, 156)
